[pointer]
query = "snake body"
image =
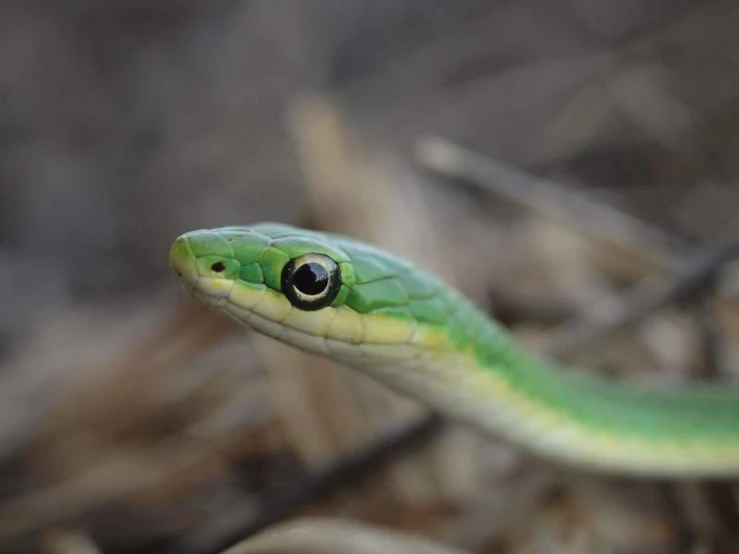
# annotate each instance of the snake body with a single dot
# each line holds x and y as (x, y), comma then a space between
(351, 302)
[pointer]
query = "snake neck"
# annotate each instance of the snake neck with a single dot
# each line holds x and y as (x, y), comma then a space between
(481, 376)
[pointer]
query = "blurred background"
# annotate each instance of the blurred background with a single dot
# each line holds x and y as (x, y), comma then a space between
(571, 166)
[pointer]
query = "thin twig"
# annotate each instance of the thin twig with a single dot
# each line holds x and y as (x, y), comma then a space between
(640, 301)
(712, 340)
(331, 536)
(554, 202)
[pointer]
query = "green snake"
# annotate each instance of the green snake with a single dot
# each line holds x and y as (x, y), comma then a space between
(359, 305)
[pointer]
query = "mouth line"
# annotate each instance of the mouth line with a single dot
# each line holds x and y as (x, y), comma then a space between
(191, 287)
(222, 303)
(320, 344)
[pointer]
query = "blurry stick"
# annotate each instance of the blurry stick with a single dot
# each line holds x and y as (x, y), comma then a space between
(639, 302)
(549, 200)
(712, 340)
(67, 541)
(319, 536)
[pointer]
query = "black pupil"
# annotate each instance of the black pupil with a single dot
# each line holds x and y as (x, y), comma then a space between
(311, 278)
(218, 267)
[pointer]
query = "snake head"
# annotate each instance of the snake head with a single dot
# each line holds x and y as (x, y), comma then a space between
(323, 293)
(247, 264)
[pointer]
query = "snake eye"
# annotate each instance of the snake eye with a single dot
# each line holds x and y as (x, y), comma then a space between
(311, 282)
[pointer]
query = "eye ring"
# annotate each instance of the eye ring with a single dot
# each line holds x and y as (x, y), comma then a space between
(311, 282)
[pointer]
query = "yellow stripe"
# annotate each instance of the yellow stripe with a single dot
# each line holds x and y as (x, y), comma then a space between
(520, 418)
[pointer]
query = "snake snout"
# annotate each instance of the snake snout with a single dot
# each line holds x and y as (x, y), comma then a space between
(182, 261)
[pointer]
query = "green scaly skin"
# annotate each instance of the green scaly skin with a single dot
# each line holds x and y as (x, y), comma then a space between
(410, 330)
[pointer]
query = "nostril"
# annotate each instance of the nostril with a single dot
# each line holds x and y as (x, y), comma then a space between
(218, 267)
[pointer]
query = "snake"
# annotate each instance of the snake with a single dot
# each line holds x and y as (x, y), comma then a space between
(379, 313)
